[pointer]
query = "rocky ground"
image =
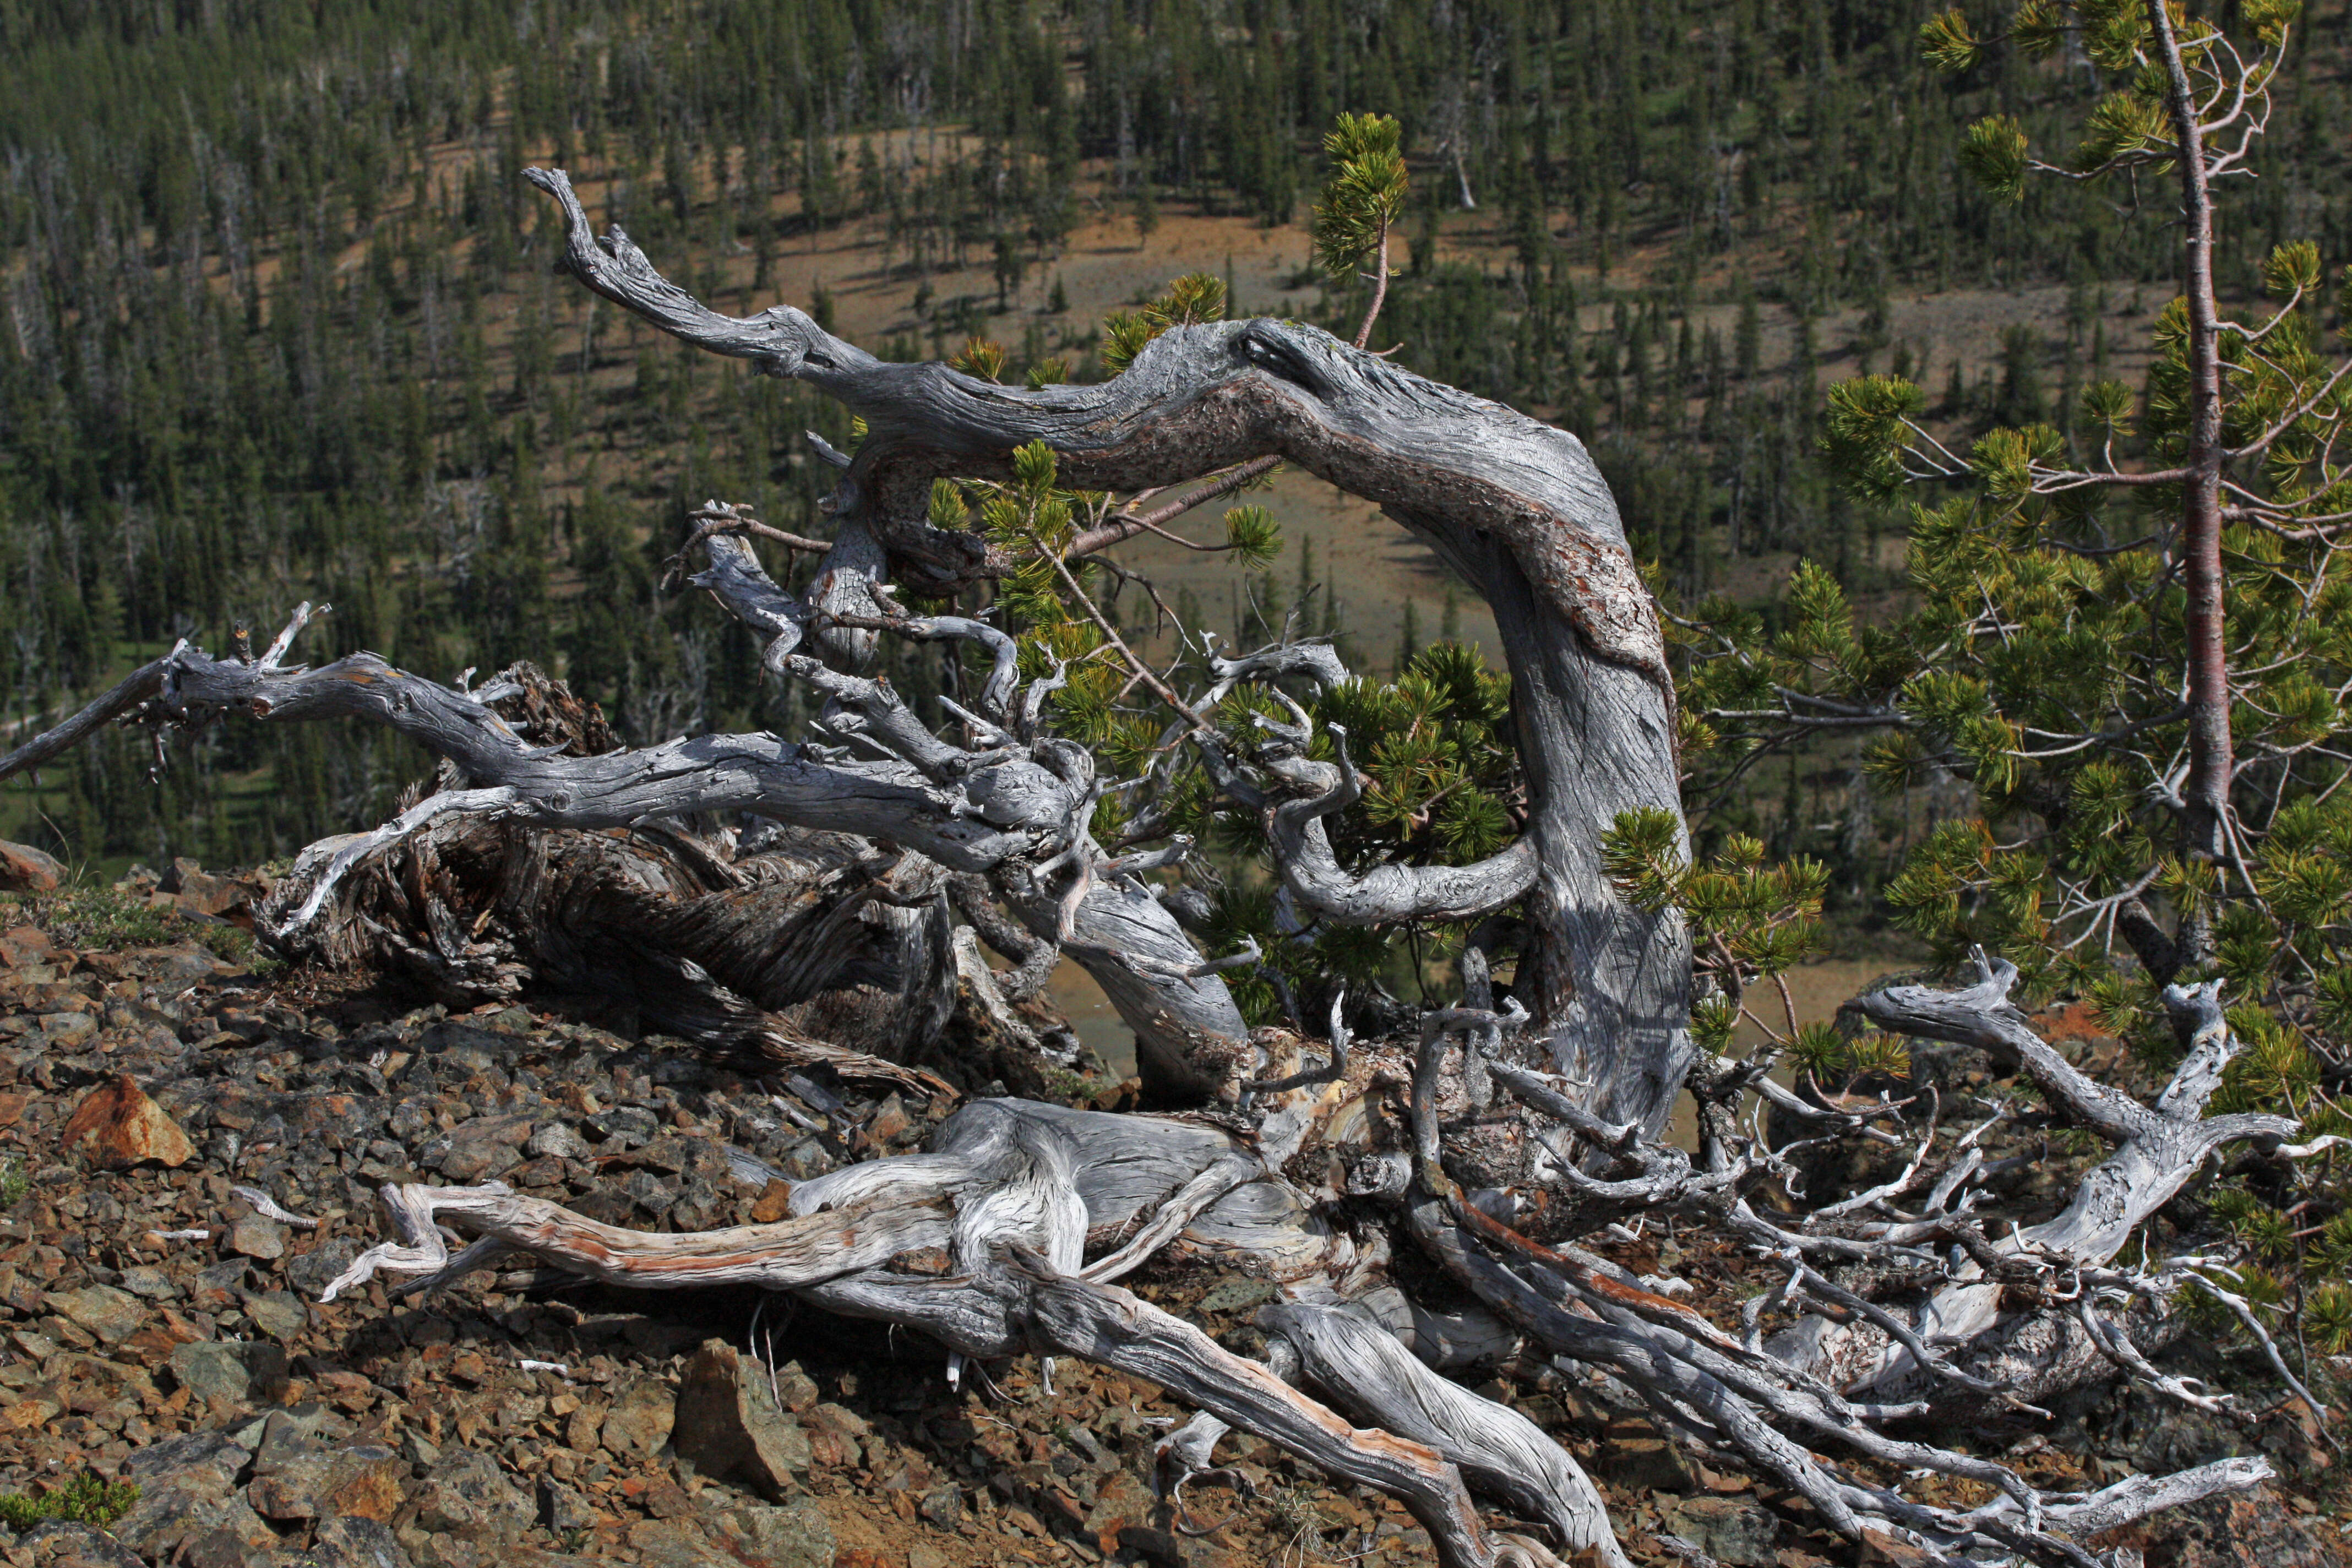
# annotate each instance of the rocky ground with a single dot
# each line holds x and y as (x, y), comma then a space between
(160, 1100)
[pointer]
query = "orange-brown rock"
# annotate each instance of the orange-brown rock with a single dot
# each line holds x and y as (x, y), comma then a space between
(119, 1125)
(20, 945)
(25, 869)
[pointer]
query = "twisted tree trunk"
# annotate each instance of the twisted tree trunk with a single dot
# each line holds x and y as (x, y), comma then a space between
(1514, 505)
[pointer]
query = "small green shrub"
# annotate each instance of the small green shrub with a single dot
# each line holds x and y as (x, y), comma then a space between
(15, 1183)
(86, 1499)
(93, 915)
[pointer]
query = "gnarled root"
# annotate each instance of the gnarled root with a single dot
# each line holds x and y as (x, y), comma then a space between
(1011, 1194)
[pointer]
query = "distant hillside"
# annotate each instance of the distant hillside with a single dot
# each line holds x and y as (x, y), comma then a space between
(280, 323)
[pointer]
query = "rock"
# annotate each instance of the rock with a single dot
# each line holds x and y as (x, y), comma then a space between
(562, 1509)
(2236, 1530)
(66, 1543)
(942, 1506)
(795, 1537)
(1646, 1464)
(639, 1421)
(678, 1543)
(728, 1425)
(468, 1491)
(479, 1150)
(112, 1315)
(1123, 1501)
(25, 869)
(1731, 1529)
(350, 1543)
(796, 1389)
(557, 1140)
(254, 1236)
(151, 1283)
(21, 945)
(118, 1126)
(280, 1314)
(623, 1127)
(201, 892)
(238, 1372)
(209, 1457)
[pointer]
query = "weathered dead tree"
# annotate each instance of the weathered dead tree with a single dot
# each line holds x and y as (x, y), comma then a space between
(1493, 1139)
(1514, 505)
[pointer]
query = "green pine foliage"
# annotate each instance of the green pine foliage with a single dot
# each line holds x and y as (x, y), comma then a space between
(1441, 786)
(2031, 675)
(1365, 195)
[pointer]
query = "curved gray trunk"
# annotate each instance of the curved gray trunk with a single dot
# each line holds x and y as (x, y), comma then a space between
(1515, 504)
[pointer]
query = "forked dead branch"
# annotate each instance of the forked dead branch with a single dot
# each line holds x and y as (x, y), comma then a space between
(795, 897)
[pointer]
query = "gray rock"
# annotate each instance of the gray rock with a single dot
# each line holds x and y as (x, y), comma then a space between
(311, 1273)
(557, 1140)
(238, 1371)
(623, 1127)
(151, 1283)
(468, 1491)
(254, 1236)
(209, 1456)
(356, 1543)
(1731, 1529)
(728, 1426)
(562, 1509)
(112, 1315)
(479, 1150)
(280, 1314)
(64, 1543)
(793, 1537)
(942, 1506)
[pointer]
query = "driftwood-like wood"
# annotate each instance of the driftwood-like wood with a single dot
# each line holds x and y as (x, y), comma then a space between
(1011, 1192)
(1514, 505)
(2157, 1149)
